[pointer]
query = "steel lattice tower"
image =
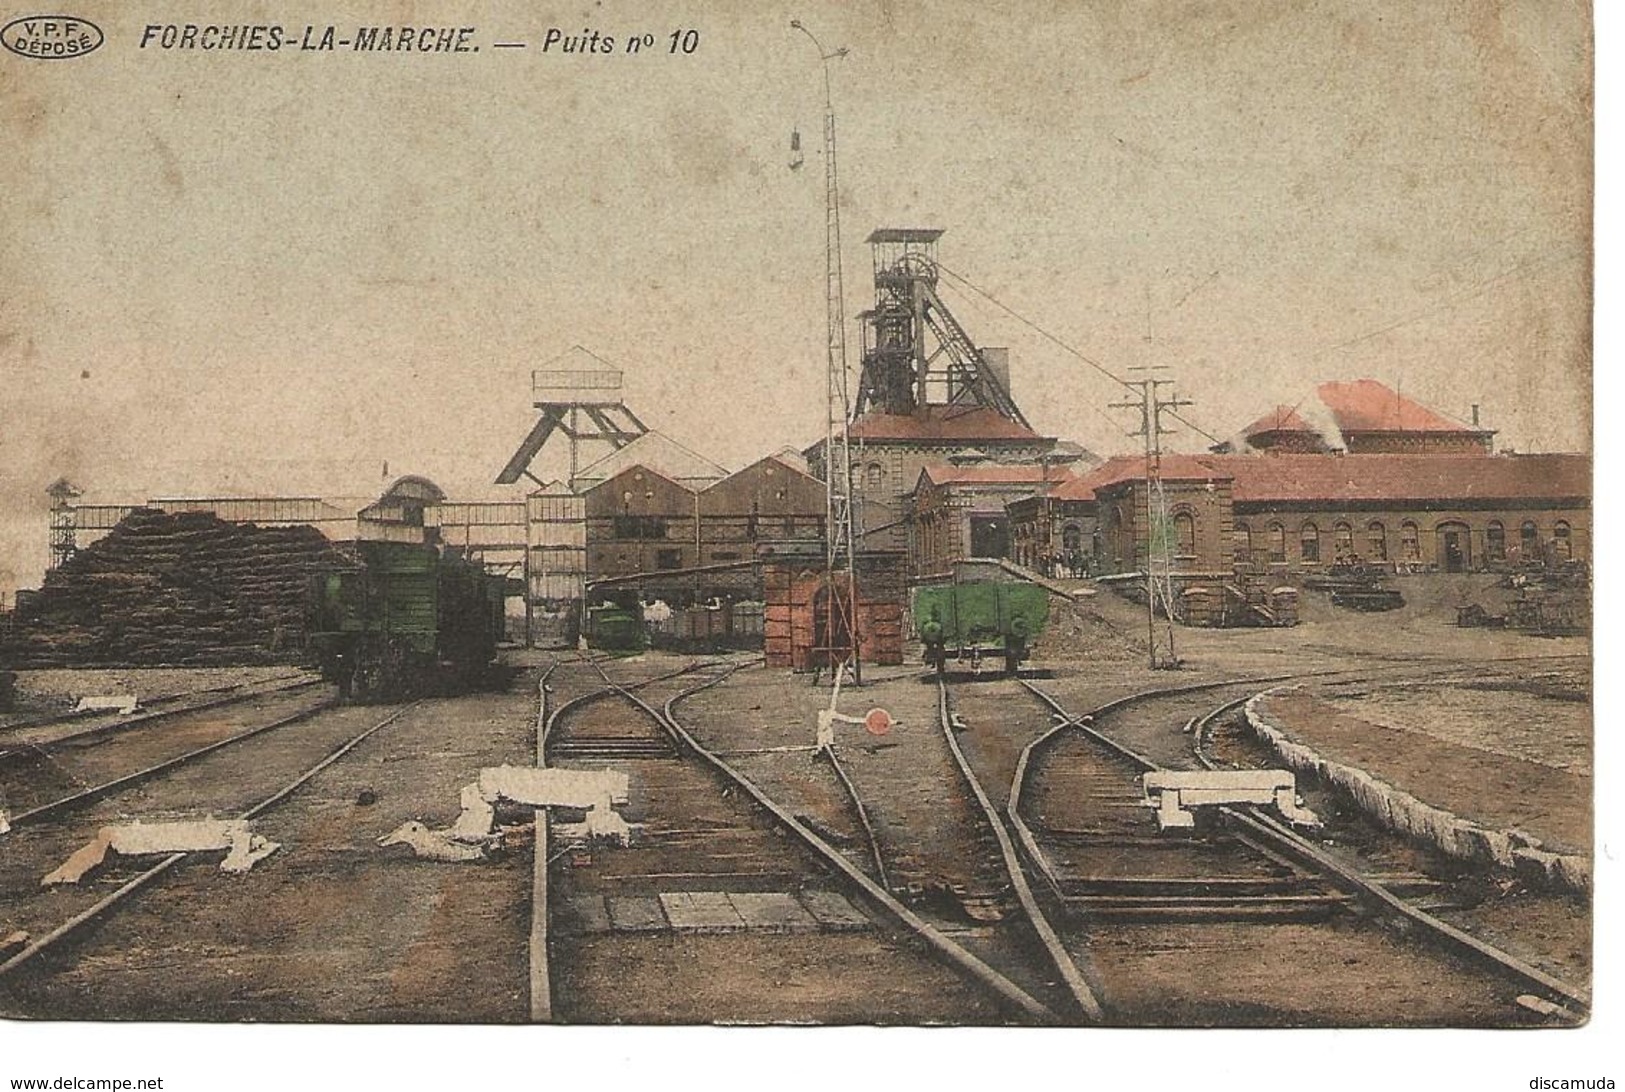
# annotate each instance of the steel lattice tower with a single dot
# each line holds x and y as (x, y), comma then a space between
(842, 638)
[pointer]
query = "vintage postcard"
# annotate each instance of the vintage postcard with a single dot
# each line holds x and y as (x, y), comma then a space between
(1057, 515)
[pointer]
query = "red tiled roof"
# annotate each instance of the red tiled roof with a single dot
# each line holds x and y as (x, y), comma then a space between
(1279, 419)
(1350, 478)
(941, 423)
(1123, 468)
(1368, 406)
(997, 474)
(1297, 479)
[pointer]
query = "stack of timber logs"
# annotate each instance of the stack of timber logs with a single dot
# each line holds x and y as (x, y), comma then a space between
(181, 589)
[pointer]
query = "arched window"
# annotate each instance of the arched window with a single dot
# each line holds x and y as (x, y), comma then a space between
(1495, 541)
(1309, 542)
(1243, 539)
(1342, 542)
(1277, 542)
(1376, 540)
(1562, 541)
(1529, 540)
(1184, 535)
(1410, 542)
(876, 475)
(1072, 538)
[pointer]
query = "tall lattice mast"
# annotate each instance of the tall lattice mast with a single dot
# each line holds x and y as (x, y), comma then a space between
(841, 633)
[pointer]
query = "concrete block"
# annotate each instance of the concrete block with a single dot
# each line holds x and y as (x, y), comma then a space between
(636, 914)
(772, 912)
(585, 914)
(701, 912)
(1574, 872)
(833, 912)
(1534, 866)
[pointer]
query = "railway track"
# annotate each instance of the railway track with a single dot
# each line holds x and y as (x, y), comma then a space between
(130, 879)
(735, 840)
(1084, 831)
(74, 725)
(50, 778)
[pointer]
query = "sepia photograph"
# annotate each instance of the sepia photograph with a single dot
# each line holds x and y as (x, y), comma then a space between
(910, 514)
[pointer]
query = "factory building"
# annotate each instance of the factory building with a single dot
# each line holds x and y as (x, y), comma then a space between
(772, 501)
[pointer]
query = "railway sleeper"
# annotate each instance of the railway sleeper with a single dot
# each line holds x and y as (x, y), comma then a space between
(1175, 887)
(1145, 909)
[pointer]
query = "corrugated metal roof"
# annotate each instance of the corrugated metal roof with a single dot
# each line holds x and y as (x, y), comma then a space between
(658, 452)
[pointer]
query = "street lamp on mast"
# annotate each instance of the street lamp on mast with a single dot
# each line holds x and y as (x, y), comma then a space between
(841, 638)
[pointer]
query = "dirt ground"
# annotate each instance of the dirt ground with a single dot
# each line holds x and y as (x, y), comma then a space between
(57, 690)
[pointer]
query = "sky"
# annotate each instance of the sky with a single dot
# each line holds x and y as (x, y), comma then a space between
(283, 273)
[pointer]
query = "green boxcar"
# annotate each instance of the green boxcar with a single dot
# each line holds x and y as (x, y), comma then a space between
(969, 621)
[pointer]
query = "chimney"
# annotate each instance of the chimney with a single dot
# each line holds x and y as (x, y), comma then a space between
(1475, 414)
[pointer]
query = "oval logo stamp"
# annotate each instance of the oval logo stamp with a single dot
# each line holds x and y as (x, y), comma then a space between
(51, 37)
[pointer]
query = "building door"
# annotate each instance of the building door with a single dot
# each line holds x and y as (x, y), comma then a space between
(1455, 549)
(989, 536)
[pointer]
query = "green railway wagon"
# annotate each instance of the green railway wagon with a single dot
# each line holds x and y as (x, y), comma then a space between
(616, 627)
(973, 620)
(404, 619)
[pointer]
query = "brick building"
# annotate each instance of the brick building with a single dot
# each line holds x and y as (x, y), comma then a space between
(889, 450)
(1302, 513)
(771, 500)
(959, 512)
(1453, 513)
(639, 521)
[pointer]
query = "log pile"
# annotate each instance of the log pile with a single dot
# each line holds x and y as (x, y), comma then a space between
(181, 589)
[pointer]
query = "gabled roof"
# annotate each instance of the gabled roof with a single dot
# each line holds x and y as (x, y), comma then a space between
(938, 423)
(1337, 409)
(797, 467)
(640, 470)
(658, 452)
(1368, 406)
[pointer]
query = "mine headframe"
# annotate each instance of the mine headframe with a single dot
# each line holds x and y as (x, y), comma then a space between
(584, 405)
(915, 353)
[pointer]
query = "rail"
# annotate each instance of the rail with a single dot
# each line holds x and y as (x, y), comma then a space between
(1082, 993)
(133, 886)
(1286, 840)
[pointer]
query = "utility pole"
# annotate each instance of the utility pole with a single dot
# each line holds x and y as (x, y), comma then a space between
(1159, 562)
(841, 624)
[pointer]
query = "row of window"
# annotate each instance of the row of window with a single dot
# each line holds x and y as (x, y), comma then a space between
(722, 527)
(1376, 540)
